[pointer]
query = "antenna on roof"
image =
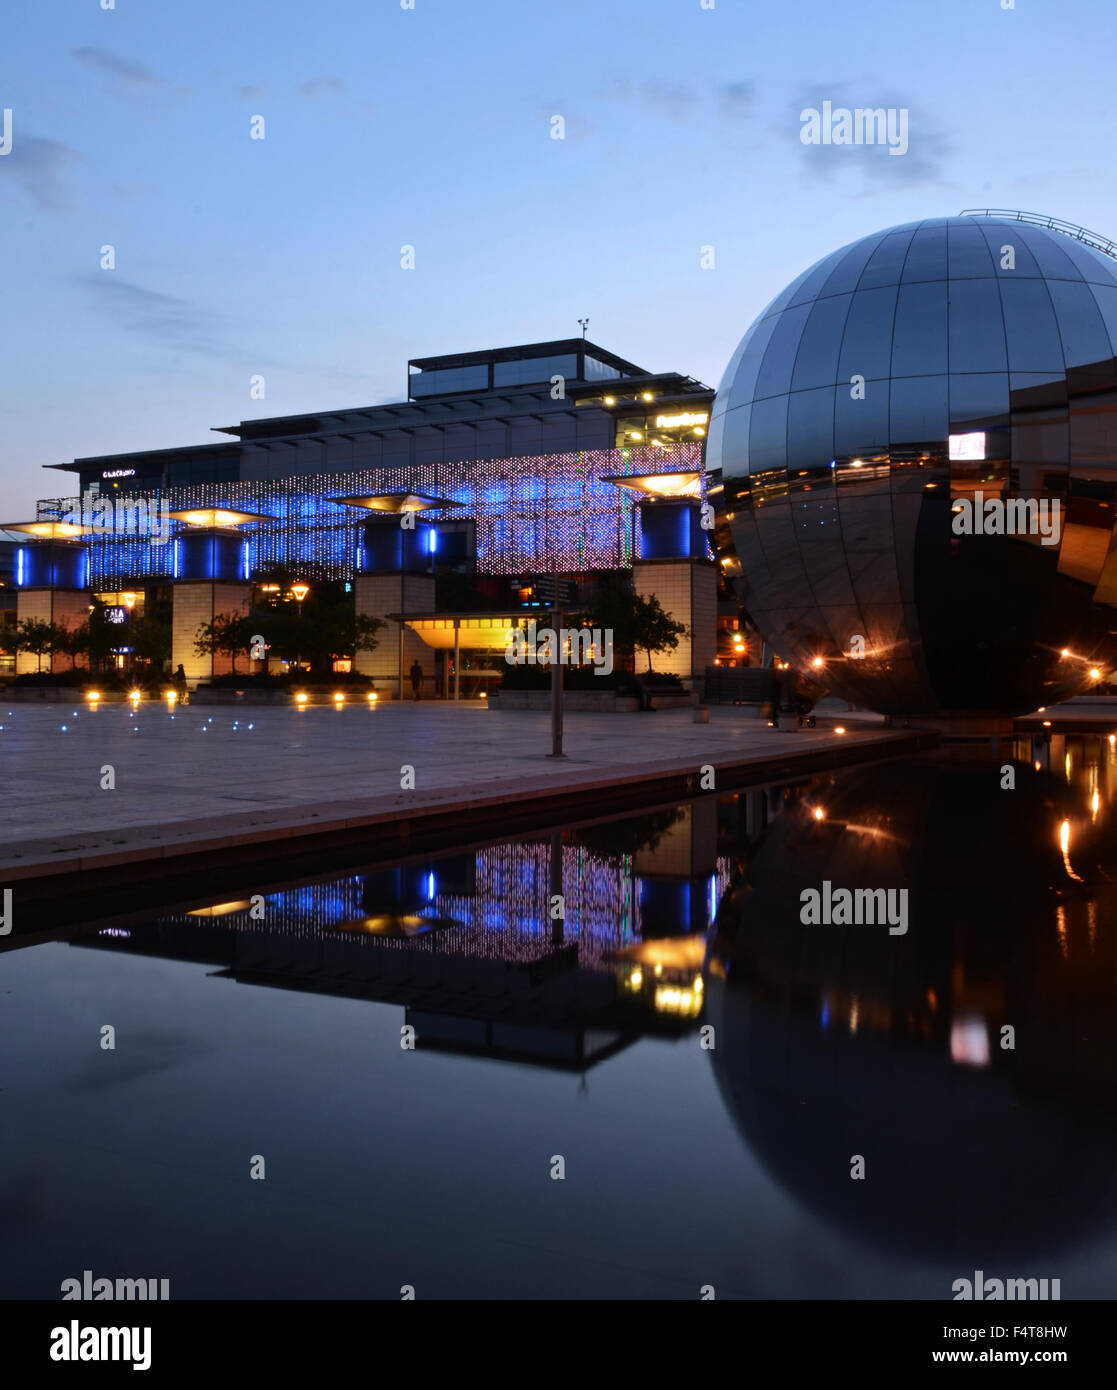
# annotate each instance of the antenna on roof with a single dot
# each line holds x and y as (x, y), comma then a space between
(585, 324)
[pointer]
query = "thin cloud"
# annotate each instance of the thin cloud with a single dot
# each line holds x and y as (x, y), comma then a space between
(677, 101)
(736, 99)
(125, 75)
(156, 317)
(671, 98)
(39, 167)
(251, 92)
(318, 86)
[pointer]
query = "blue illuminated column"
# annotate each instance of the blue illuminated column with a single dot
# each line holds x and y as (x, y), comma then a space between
(671, 563)
(674, 877)
(396, 577)
(210, 579)
(51, 575)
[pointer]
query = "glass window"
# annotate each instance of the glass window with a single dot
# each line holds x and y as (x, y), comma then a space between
(816, 362)
(743, 387)
(810, 429)
(774, 377)
(998, 236)
(977, 330)
(926, 258)
(1046, 247)
(919, 340)
(784, 297)
(861, 426)
(1105, 297)
(867, 343)
(531, 370)
(979, 398)
(599, 371)
(449, 379)
(968, 253)
(847, 272)
(919, 410)
(768, 434)
(735, 441)
(1081, 325)
(1093, 265)
(816, 277)
(887, 261)
(1034, 344)
(631, 433)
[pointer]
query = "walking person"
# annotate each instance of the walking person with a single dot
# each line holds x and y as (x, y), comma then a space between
(178, 680)
(416, 678)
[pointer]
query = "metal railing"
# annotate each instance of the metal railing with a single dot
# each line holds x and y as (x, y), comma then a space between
(1056, 224)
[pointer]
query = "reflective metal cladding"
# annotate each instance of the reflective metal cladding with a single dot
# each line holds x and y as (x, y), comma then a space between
(918, 442)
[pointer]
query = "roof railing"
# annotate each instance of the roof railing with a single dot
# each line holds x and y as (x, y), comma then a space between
(1055, 224)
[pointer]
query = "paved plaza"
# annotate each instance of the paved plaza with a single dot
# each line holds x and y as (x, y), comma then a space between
(202, 773)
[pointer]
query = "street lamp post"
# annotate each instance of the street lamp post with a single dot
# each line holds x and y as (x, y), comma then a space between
(556, 688)
(300, 592)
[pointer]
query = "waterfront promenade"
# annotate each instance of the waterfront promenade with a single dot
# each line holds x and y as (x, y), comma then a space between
(107, 790)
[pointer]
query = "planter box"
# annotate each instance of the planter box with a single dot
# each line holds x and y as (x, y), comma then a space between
(206, 695)
(47, 694)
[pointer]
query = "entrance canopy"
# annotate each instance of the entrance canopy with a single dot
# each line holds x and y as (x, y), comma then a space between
(467, 631)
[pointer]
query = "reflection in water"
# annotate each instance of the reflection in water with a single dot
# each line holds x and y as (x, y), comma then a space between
(829, 1041)
(474, 946)
(973, 1061)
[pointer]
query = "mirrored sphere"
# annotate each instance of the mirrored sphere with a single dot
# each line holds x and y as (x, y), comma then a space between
(918, 445)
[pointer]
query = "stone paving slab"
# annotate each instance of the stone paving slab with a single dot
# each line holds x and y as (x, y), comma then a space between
(205, 777)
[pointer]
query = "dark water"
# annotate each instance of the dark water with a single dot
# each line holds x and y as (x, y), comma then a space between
(685, 1164)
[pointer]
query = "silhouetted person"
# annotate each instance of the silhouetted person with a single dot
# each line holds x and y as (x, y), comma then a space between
(775, 694)
(178, 680)
(416, 677)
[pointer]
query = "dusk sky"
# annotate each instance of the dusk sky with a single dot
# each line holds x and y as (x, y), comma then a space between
(431, 127)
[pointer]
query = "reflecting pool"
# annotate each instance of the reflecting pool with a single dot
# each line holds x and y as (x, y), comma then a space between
(614, 1061)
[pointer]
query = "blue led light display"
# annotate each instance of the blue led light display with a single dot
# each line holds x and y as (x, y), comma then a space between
(550, 514)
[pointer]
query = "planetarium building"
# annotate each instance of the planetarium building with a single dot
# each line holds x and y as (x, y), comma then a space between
(918, 446)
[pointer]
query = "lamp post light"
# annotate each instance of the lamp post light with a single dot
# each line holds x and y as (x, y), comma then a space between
(300, 592)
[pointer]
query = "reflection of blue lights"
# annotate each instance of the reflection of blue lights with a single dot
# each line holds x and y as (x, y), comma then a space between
(19, 565)
(825, 1018)
(430, 887)
(432, 540)
(712, 897)
(175, 559)
(244, 559)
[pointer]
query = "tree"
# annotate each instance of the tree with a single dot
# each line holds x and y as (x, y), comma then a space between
(9, 637)
(151, 634)
(74, 642)
(365, 628)
(656, 631)
(38, 637)
(635, 620)
(104, 636)
(318, 633)
(228, 633)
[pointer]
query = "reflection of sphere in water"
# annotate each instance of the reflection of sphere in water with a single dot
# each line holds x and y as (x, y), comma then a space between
(918, 365)
(833, 1041)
